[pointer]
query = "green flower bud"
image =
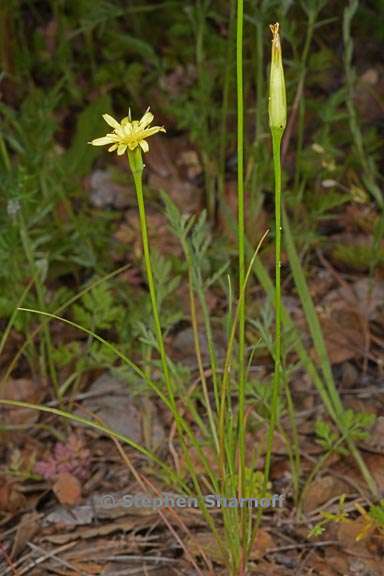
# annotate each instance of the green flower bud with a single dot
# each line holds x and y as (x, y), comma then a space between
(277, 97)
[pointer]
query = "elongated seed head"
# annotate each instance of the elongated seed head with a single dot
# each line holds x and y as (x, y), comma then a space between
(277, 97)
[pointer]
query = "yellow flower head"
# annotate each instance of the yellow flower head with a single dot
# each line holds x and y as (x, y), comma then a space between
(128, 134)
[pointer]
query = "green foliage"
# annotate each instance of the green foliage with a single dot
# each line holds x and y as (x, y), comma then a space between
(356, 427)
(376, 512)
(65, 354)
(359, 257)
(327, 438)
(98, 310)
(357, 424)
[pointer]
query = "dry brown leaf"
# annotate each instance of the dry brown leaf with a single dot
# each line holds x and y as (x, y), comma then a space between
(375, 463)
(337, 560)
(11, 499)
(321, 490)
(347, 532)
(376, 436)
(25, 531)
(184, 194)
(206, 542)
(103, 530)
(24, 390)
(161, 156)
(67, 489)
(86, 567)
(136, 418)
(263, 542)
(160, 236)
(321, 567)
(344, 337)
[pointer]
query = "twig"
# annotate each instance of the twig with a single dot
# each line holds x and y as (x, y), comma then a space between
(47, 556)
(303, 545)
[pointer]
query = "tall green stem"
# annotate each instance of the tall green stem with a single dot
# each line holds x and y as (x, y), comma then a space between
(228, 80)
(137, 166)
(241, 230)
(277, 134)
(241, 248)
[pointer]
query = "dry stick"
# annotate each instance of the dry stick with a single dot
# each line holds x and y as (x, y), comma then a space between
(8, 559)
(303, 545)
(58, 560)
(27, 569)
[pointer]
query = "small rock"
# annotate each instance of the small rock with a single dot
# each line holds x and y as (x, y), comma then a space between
(105, 192)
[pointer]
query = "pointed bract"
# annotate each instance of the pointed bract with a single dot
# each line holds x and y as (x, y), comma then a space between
(277, 96)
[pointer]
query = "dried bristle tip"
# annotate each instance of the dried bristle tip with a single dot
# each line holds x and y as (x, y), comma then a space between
(275, 30)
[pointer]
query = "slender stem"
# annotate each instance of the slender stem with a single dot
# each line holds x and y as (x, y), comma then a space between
(241, 248)
(367, 165)
(210, 340)
(228, 355)
(253, 168)
(203, 97)
(137, 166)
(276, 144)
(196, 339)
(303, 64)
(228, 80)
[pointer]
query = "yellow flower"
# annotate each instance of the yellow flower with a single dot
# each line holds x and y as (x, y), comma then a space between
(277, 98)
(128, 134)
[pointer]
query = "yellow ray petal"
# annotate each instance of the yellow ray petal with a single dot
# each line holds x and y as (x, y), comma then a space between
(146, 119)
(121, 149)
(102, 141)
(144, 145)
(111, 121)
(150, 131)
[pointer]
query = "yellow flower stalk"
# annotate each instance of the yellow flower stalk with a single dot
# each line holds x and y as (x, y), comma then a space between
(128, 134)
(131, 135)
(277, 97)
